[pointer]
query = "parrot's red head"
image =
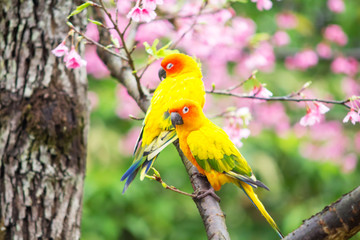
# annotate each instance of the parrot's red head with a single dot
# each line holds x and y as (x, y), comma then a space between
(177, 64)
(186, 114)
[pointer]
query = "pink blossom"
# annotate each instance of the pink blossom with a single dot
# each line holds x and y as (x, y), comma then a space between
(60, 50)
(302, 60)
(149, 4)
(345, 65)
(334, 33)
(313, 115)
(337, 6)
(263, 58)
(286, 20)
(324, 50)
(352, 116)
(350, 86)
(135, 14)
(350, 162)
(280, 38)
(236, 132)
(147, 15)
(260, 91)
(73, 59)
(272, 116)
(263, 4)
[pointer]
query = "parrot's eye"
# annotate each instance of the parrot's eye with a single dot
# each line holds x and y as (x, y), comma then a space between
(185, 110)
(170, 65)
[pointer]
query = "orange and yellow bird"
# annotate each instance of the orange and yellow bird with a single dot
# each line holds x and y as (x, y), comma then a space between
(183, 79)
(210, 149)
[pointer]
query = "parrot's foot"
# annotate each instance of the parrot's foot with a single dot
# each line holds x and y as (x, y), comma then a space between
(203, 193)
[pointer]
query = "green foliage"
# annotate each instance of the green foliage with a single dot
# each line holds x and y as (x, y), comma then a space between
(81, 8)
(159, 53)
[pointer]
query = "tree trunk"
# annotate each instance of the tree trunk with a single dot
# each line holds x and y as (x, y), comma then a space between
(43, 124)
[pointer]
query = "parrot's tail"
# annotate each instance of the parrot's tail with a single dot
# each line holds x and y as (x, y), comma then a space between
(144, 156)
(249, 191)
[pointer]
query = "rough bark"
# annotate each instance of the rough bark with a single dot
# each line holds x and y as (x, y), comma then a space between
(209, 209)
(340, 220)
(43, 124)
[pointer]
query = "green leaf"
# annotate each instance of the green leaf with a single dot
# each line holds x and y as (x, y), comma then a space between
(162, 52)
(80, 8)
(95, 22)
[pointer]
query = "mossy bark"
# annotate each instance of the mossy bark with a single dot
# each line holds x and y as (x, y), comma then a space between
(43, 123)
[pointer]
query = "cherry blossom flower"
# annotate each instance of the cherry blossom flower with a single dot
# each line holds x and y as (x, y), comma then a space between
(236, 125)
(260, 91)
(151, 4)
(336, 6)
(147, 15)
(280, 38)
(345, 65)
(302, 60)
(324, 50)
(334, 33)
(263, 4)
(60, 50)
(286, 20)
(313, 115)
(73, 59)
(135, 14)
(352, 116)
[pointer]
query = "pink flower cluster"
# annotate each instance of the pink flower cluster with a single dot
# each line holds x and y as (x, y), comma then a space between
(352, 116)
(72, 58)
(302, 60)
(263, 4)
(336, 6)
(327, 142)
(236, 126)
(348, 66)
(146, 13)
(314, 114)
(286, 20)
(335, 34)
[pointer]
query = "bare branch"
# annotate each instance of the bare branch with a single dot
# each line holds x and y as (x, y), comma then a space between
(281, 98)
(340, 220)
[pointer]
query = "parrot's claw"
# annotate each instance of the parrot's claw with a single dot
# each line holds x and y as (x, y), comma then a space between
(203, 193)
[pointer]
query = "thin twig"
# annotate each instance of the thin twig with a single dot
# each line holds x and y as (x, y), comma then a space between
(128, 54)
(156, 176)
(98, 44)
(191, 27)
(282, 98)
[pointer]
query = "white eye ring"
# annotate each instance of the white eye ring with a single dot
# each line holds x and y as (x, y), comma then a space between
(185, 110)
(170, 65)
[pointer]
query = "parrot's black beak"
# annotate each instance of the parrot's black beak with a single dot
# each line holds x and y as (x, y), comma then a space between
(176, 119)
(162, 74)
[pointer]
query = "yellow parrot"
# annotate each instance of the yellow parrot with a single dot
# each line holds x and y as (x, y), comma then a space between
(210, 149)
(183, 78)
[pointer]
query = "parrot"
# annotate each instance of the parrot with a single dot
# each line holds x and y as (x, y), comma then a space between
(182, 78)
(212, 152)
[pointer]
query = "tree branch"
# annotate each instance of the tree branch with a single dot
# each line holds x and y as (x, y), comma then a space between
(280, 98)
(209, 209)
(340, 220)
